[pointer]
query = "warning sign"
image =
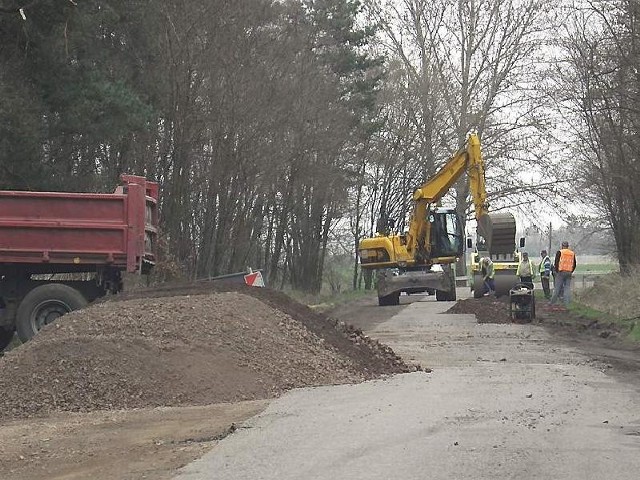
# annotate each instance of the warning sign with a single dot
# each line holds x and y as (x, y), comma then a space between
(254, 279)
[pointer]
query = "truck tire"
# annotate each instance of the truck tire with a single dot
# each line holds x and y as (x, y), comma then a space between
(43, 305)
(5, 338)
(388, 300)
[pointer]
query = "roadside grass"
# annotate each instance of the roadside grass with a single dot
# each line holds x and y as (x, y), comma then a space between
(538, 292)
(613, 298)
(634, 334)
(629, 325)
(598, 268)
(590, 313)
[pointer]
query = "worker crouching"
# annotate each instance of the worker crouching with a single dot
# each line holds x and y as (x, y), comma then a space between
(488, 274)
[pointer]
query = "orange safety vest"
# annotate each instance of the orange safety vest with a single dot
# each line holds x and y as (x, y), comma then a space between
(567, 258)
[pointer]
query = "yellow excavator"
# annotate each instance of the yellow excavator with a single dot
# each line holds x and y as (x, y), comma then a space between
(422, 258)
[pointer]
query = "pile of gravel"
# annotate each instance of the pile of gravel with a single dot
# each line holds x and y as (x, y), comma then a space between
(184, 346)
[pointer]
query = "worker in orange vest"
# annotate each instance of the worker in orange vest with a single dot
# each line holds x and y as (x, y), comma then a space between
(565, 264)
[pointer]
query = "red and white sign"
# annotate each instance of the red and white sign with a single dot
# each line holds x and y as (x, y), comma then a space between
(254, 279)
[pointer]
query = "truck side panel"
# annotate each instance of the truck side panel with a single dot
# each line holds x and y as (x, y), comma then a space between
(49, 228)
(54, 231)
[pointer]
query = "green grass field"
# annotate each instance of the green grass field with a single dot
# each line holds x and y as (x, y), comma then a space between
(596, 268)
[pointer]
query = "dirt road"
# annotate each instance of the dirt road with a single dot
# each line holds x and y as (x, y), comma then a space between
(136, 444)
(503, 401)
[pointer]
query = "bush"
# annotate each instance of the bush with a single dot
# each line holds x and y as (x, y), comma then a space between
(615, 294)
(619, 296)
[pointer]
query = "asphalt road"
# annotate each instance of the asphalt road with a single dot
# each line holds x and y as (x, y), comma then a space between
(502, 402)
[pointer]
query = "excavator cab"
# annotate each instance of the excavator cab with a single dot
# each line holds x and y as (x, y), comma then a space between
(446, 234)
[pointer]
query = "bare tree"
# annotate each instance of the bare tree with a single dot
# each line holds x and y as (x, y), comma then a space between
(601, 74)
(472, 65)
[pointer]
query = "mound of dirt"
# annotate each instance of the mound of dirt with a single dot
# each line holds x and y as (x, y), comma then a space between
(186, 346)
(371, 357)
(486, 309)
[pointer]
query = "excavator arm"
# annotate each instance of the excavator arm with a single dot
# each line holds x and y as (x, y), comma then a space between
(466, 160)
(422, 259)
(498, 230)
(469, 160)
(415, 248)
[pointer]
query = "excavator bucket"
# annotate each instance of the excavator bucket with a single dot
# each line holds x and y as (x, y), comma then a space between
(499, 232)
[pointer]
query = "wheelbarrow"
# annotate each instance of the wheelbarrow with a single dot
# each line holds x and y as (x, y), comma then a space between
(522, 302)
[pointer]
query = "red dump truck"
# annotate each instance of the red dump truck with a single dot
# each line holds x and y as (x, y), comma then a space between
(60, 251)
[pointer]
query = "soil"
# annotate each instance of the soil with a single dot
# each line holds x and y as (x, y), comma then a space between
(558, 318)
(181, 347)
(605, 340)
(116, 445)
(486, 309)
(90, 396)
(154, 378)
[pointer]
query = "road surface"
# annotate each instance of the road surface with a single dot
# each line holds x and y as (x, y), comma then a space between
(502, 401)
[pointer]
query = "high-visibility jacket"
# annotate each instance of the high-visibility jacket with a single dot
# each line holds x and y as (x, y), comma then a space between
(487, 268)
(545, 267)
(567, 261)
(520, 271)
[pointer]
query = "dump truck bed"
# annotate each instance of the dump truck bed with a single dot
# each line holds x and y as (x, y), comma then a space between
(52, 232)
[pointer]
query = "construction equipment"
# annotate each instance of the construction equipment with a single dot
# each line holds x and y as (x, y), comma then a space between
(504, 266)
(423, 257)
(59, 251)
(504, 255)
(522, 302)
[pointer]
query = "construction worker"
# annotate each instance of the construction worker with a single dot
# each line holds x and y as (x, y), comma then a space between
(544, 269)
(488, 274)
(525, 271)
(565, 264)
